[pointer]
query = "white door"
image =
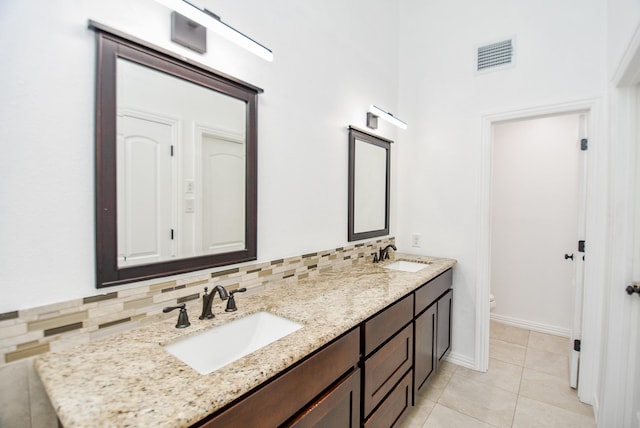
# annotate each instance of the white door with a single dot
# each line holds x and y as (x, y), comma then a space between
(632, 392)
(222, 188)
(145, 218)
(579, 255)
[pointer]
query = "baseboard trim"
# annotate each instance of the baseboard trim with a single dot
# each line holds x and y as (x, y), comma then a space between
(461, 360)
(530, 325)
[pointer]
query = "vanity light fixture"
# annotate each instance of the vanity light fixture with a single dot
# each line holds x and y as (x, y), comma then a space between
(376, 112)
(213, 22)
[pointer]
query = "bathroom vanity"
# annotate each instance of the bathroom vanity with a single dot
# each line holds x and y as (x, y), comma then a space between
(372, 337)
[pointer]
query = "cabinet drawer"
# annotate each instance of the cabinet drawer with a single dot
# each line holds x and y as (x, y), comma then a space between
(394, 407)
(338, 408)
(429, 292)
(279, 400)
(386, 367)
(384, 325)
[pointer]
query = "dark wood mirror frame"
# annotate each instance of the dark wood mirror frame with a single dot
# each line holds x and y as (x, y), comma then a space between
(111, 45)
(355, 133)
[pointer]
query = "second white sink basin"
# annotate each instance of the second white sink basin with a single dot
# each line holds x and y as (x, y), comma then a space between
(406, 266)
(214, 348)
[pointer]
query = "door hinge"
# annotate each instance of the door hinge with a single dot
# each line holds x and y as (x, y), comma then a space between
(577, 344)
(584, 144)
(581, 245)
(172, 234)
(172, 150)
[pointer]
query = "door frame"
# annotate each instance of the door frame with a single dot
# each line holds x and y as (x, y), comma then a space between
(595, 231)
(614, 408)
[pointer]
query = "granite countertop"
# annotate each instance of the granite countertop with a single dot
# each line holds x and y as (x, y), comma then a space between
(130, 380)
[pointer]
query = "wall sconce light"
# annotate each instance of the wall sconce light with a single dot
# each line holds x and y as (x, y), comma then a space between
(213, 22)
(375, 112)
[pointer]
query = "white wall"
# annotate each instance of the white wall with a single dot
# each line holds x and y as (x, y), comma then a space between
(534, 220)
(559, 58)
(332, 59)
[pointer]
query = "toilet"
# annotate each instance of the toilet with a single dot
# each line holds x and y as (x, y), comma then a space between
(492, 302)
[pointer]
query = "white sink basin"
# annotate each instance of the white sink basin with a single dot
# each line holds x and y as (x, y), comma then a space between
(208, 351)
(406, 266)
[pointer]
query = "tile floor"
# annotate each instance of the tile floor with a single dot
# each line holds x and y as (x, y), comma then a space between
(527, 385)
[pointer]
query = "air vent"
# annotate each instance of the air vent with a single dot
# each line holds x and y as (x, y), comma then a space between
(499, 54)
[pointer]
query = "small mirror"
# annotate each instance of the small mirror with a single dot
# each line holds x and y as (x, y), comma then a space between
(176, 179)
(369, 184)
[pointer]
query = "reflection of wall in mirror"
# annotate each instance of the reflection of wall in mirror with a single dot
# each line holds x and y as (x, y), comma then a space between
(370, 183)
(166, 216)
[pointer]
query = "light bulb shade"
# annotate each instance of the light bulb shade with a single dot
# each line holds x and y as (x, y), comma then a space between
(387, 116)
(202, 17)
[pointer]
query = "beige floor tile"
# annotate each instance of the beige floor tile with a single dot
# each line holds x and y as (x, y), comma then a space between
(548, 362)
(438, 383)
(549, 343)
(444, 417)
(507, 352)
(534, 414)
(552, 390)
(509, 333)
(494, 406)
(418, 414)
(500, 375)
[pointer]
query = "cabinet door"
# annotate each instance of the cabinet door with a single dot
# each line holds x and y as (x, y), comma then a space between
(444, 324)
(338, 408)
(425, 346)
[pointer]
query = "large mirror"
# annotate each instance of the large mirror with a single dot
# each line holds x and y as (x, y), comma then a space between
(369, 185)
(176, 181)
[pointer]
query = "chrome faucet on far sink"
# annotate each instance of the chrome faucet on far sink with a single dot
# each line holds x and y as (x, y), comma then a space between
(207, 300)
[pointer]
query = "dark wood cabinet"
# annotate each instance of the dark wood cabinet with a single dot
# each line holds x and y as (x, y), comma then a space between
(432, 327)
(388, 360)
(338, 407)
(381, 327)
(444, 324)
(394, 407)
(281, 399)
(386, 367)
(367, 378)
(425, 345)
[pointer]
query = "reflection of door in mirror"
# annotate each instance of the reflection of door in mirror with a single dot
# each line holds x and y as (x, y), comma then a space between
(181, 168)
(145, 189)
(370, 187)
(223, 210)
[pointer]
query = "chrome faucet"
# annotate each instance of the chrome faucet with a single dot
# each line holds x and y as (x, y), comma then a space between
(384, 252)
(207, 300)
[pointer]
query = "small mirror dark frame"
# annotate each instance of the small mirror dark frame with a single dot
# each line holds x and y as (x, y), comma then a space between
(111, 45)
(355, 133)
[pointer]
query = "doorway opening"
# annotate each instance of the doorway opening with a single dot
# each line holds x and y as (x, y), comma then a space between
(537, 221)
(586, 110)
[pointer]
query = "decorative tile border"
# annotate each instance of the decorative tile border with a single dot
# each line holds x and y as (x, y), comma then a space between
(29, 332)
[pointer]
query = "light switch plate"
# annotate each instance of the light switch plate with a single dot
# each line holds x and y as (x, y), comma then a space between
(416, 239)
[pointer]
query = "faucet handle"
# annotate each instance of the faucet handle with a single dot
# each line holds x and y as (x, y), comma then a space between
(183, 317)
(231, 303)
(375, 257)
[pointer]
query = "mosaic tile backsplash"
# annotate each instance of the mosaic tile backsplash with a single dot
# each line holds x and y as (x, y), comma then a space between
(34, 331)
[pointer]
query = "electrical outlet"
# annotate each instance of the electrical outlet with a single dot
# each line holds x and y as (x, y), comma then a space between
(416, 239)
